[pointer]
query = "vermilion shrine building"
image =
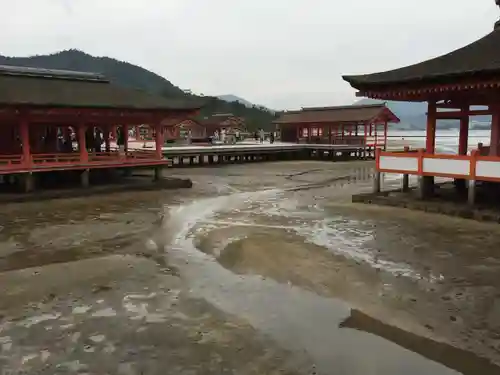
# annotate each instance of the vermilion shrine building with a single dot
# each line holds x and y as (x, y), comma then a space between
(174, 130)
(219, 121)
(451, 85)
(48, 122)
(364, 125)
(180, 131)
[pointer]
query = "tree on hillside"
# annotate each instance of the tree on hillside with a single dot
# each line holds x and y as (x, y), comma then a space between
(132, 76)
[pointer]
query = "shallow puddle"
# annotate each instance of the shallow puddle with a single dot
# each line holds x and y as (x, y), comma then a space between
(247, 254)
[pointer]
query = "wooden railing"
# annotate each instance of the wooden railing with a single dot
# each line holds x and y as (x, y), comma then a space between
(103, 156)
(10, 160)
(141, 154)
(55, 158)
(349, 140)
(473, 167)
(335, 140)
(54, 161)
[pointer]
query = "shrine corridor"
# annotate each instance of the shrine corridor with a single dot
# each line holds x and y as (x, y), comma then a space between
(258, 269)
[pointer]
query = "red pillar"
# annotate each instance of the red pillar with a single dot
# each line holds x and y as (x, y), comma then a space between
(464, 131)
(25, 141)
(495, 131)
(113, 133)
(159, 141)
(82, 147)
(385, 136)
(376, 133)
(430, 140)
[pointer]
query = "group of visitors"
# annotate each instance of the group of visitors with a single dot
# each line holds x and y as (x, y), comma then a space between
(260, 135)
(94, 139)
(226, 137)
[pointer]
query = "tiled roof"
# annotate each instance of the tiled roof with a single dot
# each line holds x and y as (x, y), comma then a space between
(222, 119)
(341, 114)
(41, 87)
(478, 59)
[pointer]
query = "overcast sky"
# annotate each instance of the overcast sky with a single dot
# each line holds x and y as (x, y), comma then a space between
(280, 53)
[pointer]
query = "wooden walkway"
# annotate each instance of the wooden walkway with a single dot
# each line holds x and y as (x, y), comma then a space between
(241, 153)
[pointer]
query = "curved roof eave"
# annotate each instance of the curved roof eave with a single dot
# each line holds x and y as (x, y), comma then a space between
(479, 57)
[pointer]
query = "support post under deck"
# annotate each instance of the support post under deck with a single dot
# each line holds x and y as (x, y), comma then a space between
(85, 178)
(28, 182)
(425, 186)
(377, 182)
(158, 173)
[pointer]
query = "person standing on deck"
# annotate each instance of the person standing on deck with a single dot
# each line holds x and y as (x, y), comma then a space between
(98, 140)
(189, 136)
(261, 135)
(223, 135)
(120, 140)
(271, 137)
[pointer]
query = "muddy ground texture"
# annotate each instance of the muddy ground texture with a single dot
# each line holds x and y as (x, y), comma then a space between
(97, 285)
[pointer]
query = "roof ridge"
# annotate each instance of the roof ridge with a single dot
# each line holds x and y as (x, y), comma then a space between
(340, 107)
(27, 71)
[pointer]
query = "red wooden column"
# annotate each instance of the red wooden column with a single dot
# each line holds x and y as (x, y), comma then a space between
(430, 140)
(25, 141)
(114, 133)
(385, 135)
(82, 147)
(376, 133)
(159, 140)
(464, 131)
(495, 130)
(330, 134)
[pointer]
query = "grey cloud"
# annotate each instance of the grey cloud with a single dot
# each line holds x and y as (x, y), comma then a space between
(281, 53)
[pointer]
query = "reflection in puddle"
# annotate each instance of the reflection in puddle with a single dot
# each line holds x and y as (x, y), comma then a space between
(297, 319)
(460, 360)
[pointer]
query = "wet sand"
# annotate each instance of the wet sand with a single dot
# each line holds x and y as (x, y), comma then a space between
(258, 269)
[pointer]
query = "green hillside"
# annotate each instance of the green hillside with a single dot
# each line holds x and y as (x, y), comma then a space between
(129, 75)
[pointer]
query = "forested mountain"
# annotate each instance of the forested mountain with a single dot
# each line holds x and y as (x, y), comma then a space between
(133, 76)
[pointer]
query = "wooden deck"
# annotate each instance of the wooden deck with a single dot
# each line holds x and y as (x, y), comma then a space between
(249, 152)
